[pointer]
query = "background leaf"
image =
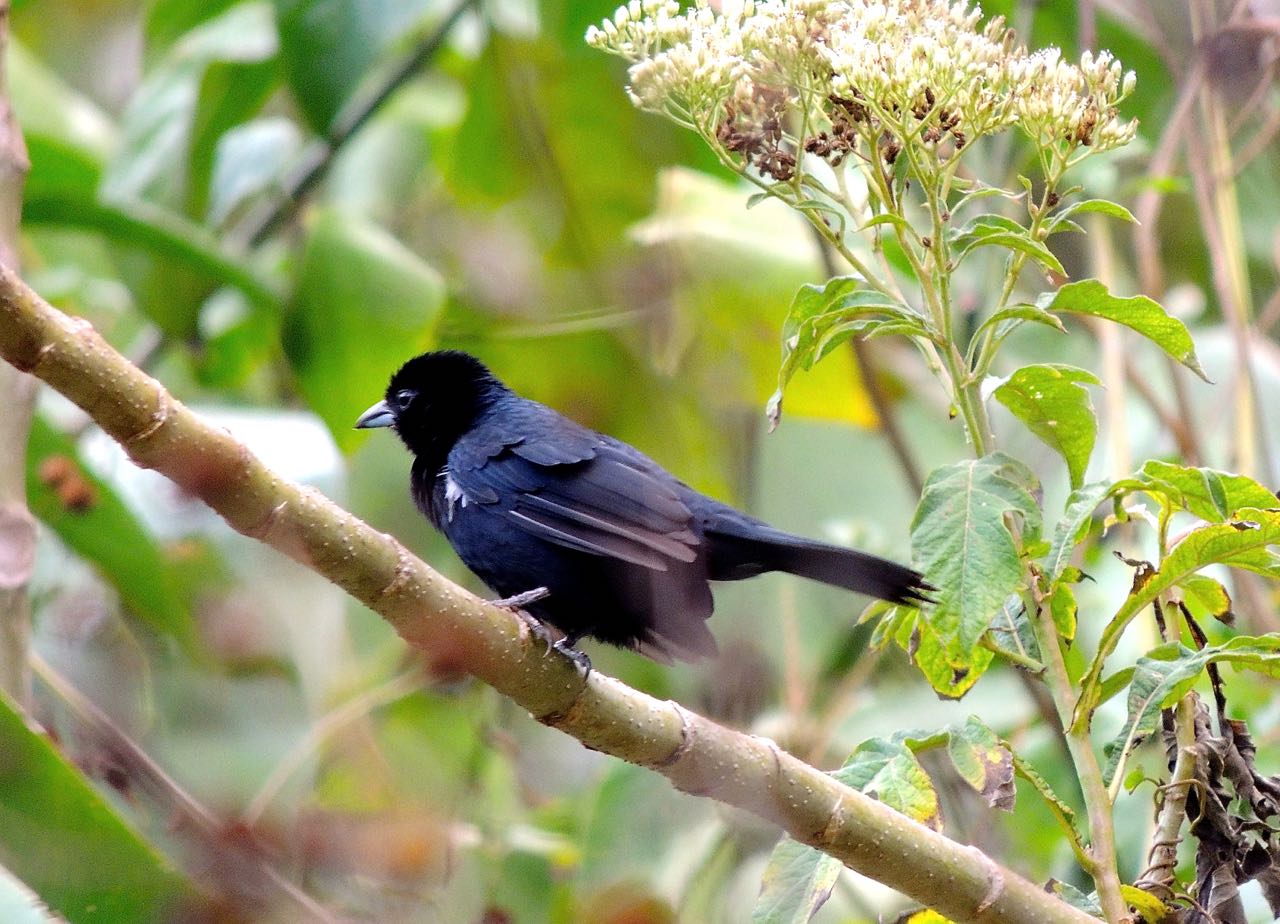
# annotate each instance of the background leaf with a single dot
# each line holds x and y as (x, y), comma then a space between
(363, 305)
(796, 883)
(51, 820)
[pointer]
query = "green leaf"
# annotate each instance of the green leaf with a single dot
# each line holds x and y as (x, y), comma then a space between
(166, 235)
(797, 882)
(1063, 608)
(1074, 524)
(983, 761)
(986, 225)
(52, 820)
(1241, 543)
(1166, 673)
(890, 772)
(362, 306)
(1209, 494)
(951, 668)
(1055, 406)
(1206, 595)
(1010, 240)
(94, 522)
(1089, 904)
(1098, 206)
(327, 47)
(1011, 631)
(1006, 319)
(1090, 297)
(823, 316)
(1064, 812)
(961, 540)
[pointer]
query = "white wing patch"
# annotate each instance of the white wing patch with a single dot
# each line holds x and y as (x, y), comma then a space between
(453, 494)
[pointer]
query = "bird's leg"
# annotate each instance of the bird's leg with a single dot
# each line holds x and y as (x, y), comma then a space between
(516, 605)
(579, 658)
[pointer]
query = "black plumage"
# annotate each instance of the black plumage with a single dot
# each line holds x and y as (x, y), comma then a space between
(530, 499)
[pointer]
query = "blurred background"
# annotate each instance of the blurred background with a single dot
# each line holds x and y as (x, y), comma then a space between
(270, 206)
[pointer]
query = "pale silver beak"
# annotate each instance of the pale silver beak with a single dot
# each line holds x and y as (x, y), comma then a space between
(377, 416)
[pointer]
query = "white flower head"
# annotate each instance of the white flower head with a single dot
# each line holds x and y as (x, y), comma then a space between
(770, 79)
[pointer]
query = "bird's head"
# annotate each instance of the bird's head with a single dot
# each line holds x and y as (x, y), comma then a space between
(433, 399)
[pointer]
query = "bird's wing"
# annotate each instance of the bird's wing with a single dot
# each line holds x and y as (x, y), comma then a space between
(576, 489)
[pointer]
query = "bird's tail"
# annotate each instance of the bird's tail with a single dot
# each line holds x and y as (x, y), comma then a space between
(850, 569)
(742, 547)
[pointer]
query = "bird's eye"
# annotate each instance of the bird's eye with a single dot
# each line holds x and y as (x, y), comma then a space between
(404, 396)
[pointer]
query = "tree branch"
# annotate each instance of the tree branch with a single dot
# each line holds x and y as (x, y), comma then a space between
(457, 629)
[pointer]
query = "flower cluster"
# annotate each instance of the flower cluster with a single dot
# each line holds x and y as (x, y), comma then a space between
(766, 79)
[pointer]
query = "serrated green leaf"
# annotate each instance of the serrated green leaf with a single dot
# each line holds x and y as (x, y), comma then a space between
(797, 882)
(890, 772)
(1089, 296)
(1074, 524)
(1051, 400)
(1209, 494)
(962, 542)
(1241, 543)
(52, 819)
(983, 761)
(363, 304)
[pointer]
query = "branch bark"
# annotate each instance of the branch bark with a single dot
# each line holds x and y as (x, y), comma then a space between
(458, 630)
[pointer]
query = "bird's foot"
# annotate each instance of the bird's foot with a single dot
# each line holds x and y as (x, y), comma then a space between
(538, 630)
(579, 658)
(517, 603)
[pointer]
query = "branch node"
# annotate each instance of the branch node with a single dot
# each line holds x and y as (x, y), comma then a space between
(686, 737)
(45, 350)
(995, 880)
(404, 569)
(263, 529)
(164, 405)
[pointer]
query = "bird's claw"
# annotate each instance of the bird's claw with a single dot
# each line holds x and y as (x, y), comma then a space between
(579, 658)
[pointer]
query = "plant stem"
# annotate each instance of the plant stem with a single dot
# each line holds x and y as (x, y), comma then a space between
(1102, 838)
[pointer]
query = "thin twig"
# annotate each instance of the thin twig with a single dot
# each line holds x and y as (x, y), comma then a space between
(315, 161)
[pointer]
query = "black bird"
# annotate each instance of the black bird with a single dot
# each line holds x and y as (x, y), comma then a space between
(530, 500)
